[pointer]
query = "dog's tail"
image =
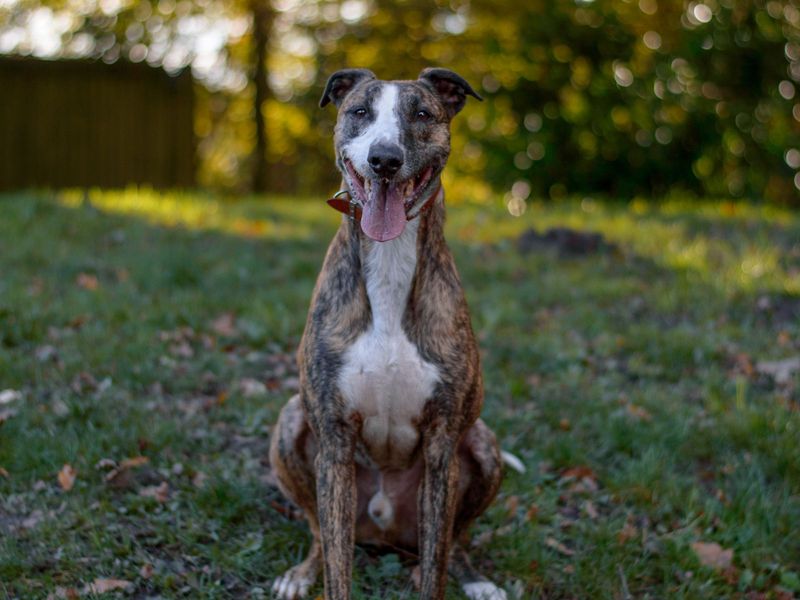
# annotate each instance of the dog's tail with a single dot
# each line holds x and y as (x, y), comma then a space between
(512, 461)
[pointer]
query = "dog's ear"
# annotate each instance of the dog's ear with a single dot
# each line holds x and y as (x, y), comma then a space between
(451, 88)
(340, 84)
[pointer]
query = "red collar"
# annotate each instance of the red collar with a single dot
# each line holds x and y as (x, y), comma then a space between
(345, 204)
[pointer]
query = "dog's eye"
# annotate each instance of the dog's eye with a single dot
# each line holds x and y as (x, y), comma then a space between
(360, 112)
(423, 115)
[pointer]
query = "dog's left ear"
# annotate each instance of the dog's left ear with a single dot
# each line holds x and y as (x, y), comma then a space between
(451, 88)
(341, 82)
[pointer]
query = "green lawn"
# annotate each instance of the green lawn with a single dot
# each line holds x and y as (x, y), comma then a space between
(632, 383)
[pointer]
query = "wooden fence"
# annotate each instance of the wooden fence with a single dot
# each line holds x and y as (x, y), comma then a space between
(85, 123)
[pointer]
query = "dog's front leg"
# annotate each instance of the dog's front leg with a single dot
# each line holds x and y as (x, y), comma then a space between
(437, 505)
(336, 506)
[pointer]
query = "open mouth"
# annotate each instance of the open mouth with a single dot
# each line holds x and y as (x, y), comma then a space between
(385, 203)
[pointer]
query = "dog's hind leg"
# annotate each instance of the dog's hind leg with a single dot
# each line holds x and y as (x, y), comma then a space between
(291, 455)
(481, 472)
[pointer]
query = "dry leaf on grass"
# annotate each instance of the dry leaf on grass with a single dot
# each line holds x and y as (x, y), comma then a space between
(782, 371)
(252, 388)
(711, 554)
(9, 396)
(590, 509)
(6, 414)
(134, 461)
(62, 593)
(160, 493)
(87, 281)
(581, 479)
(101, 586)
(118, 476)
(225, 325)
(3, 472)
(66, 477)
(199, 479)
(558, 546)
(146, 572)
(628, 532)
(638, 412)
(33, 519)
(487, 536)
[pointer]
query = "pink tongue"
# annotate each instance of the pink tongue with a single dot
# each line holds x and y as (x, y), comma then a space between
(383, 217)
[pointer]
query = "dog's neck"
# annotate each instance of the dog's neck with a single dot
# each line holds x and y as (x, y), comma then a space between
(389, 268)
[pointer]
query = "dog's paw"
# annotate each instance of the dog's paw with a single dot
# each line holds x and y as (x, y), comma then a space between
(292, 585)
(483, 590)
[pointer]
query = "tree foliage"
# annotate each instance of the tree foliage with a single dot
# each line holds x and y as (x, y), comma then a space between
(620, 97)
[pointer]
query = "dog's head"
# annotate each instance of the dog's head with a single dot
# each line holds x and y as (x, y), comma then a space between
(392, 141)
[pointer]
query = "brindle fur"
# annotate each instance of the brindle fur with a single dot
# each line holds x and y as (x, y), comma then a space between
(316, 442)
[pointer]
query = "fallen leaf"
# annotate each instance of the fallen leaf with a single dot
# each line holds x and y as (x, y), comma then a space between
(62, 593)
(558, 546)
(101, 586)
(66, 477)
(731, 575)
(580, 472)
(134, 461)
(639, 412)
(711, 554)
(782, 371)
(45, 353)
(582, 479)
(87, 281)
(160, 493)
(119, 475)
(33, 519)
(590, 509)
(9, 396)
(487, 536)
(252, 388)
(225, 325)
(146, 572)
(199, 479)
(628, 532)
(182, 350)
(3, 472)
(533, 513)
(512, 504)
(105, 463)
(6, 414)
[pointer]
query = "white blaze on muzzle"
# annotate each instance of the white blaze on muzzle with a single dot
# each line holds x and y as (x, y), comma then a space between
(384, 216)
(385, 128)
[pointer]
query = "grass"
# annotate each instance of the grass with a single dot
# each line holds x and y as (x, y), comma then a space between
(630, 382)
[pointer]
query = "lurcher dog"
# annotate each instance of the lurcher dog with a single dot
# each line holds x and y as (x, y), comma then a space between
(383, 445)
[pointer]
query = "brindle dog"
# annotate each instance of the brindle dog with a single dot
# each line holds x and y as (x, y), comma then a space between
(383, 444)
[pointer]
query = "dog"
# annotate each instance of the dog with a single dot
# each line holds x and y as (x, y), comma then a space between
(383, 445)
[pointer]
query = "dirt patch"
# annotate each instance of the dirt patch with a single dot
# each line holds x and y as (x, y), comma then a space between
(566, 241)
(779, 308)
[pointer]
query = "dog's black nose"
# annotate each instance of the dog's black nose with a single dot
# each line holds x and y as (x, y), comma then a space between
(385, 159)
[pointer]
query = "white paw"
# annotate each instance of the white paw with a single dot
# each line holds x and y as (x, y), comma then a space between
(483, 590)
(291, 585)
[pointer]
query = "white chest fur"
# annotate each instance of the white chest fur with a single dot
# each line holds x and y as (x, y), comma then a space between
(384, 377)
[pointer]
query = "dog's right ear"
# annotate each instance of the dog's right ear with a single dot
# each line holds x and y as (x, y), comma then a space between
(340, 84)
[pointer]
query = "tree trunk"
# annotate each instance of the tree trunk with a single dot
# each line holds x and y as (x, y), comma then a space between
(261, 11)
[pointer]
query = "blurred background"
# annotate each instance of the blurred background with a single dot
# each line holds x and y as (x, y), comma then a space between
(613, 98)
